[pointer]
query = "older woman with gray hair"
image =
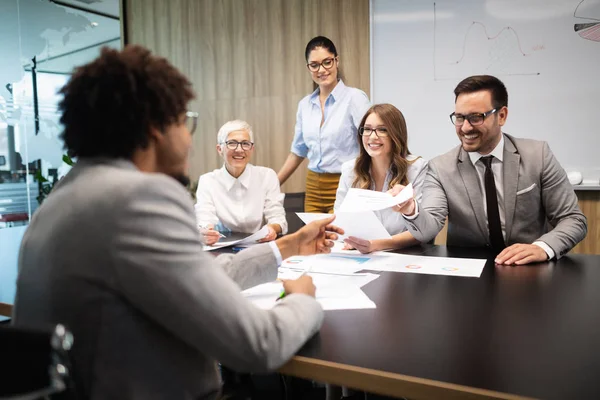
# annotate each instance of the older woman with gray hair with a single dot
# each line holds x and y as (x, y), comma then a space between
(239, 196)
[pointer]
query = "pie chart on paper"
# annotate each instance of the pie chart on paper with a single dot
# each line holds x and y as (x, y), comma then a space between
(590, 31)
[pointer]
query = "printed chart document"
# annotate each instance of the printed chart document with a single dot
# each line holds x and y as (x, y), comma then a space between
(364, 224)
(357, 200)
(247, 241)
(393, 262)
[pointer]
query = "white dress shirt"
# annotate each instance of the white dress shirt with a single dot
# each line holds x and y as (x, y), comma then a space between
(391, 220)
(244, 204)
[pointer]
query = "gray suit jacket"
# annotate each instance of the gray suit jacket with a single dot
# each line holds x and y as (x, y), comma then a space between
(539, 201)
(115, 255)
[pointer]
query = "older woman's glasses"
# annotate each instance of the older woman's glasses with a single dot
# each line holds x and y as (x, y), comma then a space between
(379, 132)
(191, 121)
(326, 63)
(233, 145)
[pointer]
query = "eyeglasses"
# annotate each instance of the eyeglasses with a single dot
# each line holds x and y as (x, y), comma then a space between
(379, 132)
(233, 145)
(326, 63)
(191, 121)
(474, 119)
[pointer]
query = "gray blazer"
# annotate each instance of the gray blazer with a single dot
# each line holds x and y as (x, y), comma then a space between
(115, 255)
(539, 201)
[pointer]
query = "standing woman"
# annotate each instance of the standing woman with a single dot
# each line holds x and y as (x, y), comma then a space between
(326, 127)
(383, 162)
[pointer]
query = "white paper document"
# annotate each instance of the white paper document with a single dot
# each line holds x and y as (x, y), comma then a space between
(247, 241)
(364, 224)
(358, 200)
(393, 262)
(333, 292)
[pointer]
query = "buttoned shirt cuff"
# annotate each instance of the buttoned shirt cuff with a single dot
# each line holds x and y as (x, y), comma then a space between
(276, 252)
(416, 214)
(546, 248)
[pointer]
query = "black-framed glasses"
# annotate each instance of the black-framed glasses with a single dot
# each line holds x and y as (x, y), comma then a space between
(233, 145)
(379, 132)
(326, 63)
(191, 121)
(474, 119)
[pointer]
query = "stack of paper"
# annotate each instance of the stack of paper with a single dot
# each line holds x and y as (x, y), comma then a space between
(247, 241)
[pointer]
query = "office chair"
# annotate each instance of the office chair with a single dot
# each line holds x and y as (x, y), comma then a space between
(35, 364)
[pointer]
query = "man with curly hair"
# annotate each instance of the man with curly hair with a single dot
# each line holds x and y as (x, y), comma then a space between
(114, 253)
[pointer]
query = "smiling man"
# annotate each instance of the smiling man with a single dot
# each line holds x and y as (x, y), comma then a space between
(497, 190)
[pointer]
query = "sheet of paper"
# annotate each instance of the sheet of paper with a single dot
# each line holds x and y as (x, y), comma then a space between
(393, 262)
(331, 297)
(357, 200)
(364, 224)
(247, 241)
(333, 263)
(329, 280)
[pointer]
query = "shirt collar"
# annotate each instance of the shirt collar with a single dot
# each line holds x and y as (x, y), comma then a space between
(229, 180)
(498, 152)
(336, 93)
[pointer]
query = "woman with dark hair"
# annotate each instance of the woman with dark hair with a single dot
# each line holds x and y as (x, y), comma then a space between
(326, 125)
(384, 161)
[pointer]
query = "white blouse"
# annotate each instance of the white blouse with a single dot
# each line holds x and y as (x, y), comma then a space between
(391, 220)
(244, 204)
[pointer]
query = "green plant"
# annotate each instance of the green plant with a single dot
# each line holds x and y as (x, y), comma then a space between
(46, 185)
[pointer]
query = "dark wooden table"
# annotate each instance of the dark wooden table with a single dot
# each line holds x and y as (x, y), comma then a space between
(530, 331)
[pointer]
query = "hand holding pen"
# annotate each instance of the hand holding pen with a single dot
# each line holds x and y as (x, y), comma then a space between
(304, 284)
(211, 236)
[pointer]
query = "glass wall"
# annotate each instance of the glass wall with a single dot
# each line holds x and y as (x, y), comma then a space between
(41, 41)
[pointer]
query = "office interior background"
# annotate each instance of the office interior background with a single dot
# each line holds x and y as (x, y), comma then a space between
(245, 59)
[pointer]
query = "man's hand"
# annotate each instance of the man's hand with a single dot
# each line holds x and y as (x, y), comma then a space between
(314, 238)
(407, 207)
(272, 235)
(210, 235)
(521, 254)
(303, 285)
(362, 245)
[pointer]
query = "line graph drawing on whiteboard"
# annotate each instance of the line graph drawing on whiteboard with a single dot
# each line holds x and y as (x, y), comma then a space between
(479, 51)
(589, 30)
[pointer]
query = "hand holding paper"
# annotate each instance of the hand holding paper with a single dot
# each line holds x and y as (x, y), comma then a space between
(370, 200)
(405, 203)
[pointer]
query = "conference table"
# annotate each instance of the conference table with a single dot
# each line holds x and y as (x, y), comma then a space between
(515, 332)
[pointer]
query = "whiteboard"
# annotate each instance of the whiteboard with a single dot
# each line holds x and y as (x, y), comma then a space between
(422, 49)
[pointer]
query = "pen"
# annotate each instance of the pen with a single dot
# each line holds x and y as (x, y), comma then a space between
(205, 228)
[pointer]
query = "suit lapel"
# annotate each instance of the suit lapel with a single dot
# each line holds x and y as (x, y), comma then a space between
(471, 182)
(510, 169)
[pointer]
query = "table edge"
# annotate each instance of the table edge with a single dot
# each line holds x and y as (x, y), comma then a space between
(385, 383)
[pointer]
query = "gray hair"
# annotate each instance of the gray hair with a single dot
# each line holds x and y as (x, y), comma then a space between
(232, 126)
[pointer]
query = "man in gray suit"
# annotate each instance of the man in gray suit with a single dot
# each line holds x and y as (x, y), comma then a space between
(532, 213)
(115, 255)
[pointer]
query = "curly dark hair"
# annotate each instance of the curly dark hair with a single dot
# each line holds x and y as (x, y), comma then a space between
(110, 104)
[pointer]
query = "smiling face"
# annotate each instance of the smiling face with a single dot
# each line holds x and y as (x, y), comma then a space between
(375, 145)
(323, 76)
(480, 138)
(236, 160)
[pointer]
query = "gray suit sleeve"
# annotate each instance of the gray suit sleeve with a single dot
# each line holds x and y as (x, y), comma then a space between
(262, 269)
(433, 209)
(560, 203)
(160, 268)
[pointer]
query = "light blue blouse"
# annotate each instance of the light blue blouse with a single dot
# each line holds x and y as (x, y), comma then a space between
(327, 147)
